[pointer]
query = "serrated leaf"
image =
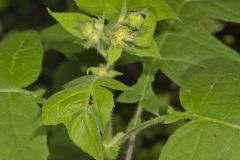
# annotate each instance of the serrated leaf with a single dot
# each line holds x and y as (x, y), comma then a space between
(211, 99)
(183, 46)
(20, 138)
(186, 46)
(103, 104)
(70, 107)
(16, 55)
(62, 148)
(111, 9)
(85, 108)
(70, 21)
(83, 129)
(66, 103)
(142, 91)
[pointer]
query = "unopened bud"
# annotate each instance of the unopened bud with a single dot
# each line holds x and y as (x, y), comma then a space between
(99, 25)
(94, 38)
(135, 20)
(87, 29)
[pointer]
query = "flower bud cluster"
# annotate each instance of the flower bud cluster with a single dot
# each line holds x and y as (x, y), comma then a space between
(127, 28)
(92, 32)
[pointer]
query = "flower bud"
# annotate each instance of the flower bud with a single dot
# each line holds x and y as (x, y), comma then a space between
(94, 38)
(99, 25)
(87, 30)
(122, 35)
(135, 20)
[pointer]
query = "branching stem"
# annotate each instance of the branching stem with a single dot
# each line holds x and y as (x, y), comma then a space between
(135, 130)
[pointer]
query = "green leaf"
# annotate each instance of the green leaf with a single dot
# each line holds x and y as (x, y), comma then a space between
(71, 107)
(20, 60)
(103, 81)
(186, 46)
(113, 84)
(80, 82)
(183, 46)
(160, 8)
(83, 129)
(114, 53)
(20, 65)
(103, 98)
(111, 9)
(85, 108)
(20, 137)
(194, 9)
(62, 148)
(212, 25)
(65, 72)
(142, 91)
(66, 103)
(70, 21)
(103, 104)
(145, 39)
(57, 38)
(152, 51)
(211, 99)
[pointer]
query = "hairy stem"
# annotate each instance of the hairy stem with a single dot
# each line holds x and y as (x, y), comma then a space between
(108, 134)
(135, 130)
(132, 137)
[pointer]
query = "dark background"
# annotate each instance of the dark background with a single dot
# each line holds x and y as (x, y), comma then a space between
(20, 15)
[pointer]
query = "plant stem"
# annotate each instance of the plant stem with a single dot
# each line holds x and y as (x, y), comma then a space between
(132, 137)
(136, 129)
(131, 144)
(108, 134)
(148, 79)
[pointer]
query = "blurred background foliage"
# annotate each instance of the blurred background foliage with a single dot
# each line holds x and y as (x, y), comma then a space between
(64, 61)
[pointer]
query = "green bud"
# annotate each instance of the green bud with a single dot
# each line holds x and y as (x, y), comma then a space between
(99, 25)
(87, 30)
(101, 71)
(135, 20)
(94, 38)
